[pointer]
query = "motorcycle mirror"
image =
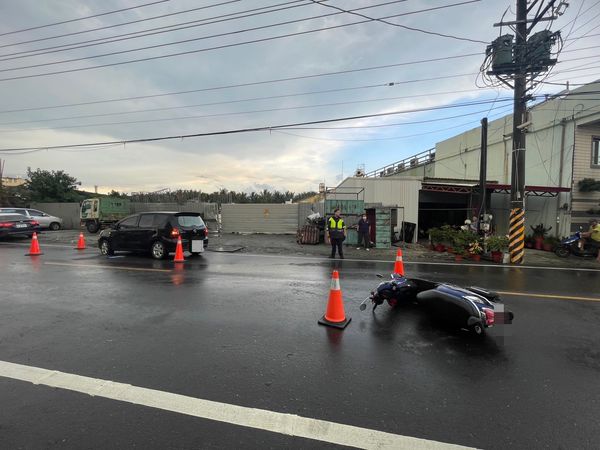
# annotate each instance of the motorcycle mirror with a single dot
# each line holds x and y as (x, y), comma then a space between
(378, 275)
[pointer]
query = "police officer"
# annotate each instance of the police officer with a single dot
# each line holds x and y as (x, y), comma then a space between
(337, 233)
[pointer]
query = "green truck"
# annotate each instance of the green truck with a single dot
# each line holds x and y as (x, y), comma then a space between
(96, 213)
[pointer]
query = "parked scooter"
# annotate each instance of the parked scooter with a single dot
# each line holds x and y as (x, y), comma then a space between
(570, 246)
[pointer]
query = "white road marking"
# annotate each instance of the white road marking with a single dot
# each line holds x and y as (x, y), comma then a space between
(425, 263)
(391, 261)
(551, 296)
(287, 424)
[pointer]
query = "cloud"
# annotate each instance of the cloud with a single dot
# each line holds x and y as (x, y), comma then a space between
(298, 160)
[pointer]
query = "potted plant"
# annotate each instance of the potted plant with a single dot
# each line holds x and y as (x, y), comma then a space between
(448, 235)
(529, 241)
(497, 245)
(539, 233)
(475, 249)
(436, 236)
(461, 241)
(550, 243)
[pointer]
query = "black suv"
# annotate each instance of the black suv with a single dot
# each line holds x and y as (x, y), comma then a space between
(157, 233)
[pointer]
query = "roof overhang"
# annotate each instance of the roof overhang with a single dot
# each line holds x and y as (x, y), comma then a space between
(467, 187)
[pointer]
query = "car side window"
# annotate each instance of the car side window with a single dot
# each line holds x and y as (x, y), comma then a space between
(146, 220)
(130, 222)
(160, 220)
(35, 213)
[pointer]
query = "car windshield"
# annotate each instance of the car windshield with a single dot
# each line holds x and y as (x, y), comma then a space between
(190, 221)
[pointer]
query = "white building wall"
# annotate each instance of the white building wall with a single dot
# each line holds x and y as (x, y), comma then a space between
(391, 191)
(550, 142)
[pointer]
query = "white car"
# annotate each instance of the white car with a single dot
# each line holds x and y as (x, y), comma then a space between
(45, 220)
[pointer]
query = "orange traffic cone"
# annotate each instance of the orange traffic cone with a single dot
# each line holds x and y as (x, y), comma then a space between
(399, 265)
(34, 250)
(179, 251)
(80, 242)
(335, 316)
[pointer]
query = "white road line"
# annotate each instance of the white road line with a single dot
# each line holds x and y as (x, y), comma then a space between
(390, 261)
(426, 263)
(287, 424)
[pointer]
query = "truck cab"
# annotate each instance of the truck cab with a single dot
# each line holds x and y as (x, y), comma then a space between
(96, 213)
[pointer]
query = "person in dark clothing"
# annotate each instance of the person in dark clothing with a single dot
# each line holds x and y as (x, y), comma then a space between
(364, 232)
(337, 233)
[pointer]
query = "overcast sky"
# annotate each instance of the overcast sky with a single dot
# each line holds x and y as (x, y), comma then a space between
(293, 159)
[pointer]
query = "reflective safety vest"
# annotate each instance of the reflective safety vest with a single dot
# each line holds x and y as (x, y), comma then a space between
(336, 225)
(595, 233)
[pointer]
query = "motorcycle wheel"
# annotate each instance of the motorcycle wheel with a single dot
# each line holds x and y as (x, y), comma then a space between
(562, 252)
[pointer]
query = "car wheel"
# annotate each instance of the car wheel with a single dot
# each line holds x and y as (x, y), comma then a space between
(106, 248)
(55, 226)
(92, 227)
(158, 250)
(562, 252)
(477, 329)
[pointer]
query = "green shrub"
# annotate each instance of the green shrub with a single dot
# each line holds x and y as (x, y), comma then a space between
(497, 243)
(588, 185)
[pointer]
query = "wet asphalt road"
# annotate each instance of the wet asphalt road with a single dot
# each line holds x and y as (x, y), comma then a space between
(242, 329)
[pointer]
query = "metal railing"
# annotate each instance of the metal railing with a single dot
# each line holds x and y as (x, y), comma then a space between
(420, 159)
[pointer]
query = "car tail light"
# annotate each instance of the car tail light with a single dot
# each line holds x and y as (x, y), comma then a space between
(34, 223)
(5, 224)
(206, 232)
(489, 316)
(174, 232)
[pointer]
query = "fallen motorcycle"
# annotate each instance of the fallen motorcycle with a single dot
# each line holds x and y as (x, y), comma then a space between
(473, 308)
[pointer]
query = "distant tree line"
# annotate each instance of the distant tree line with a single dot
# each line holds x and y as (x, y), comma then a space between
(58, 186)
(221, 196)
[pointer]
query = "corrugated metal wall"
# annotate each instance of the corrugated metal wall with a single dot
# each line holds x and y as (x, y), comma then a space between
(68, 212)
(260, 218)
(391, 191)
(305, 209)
(209, 211)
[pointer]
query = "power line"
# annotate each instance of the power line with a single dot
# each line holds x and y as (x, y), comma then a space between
(583, 36)
(82, 18)
(320, 2)
(397, 124)
(253, 83)
(208, 116)
(105, 27)
(159, 30)
(219, 47)
(227, 102)
(229, 33)
(284, 130)
(245, 130)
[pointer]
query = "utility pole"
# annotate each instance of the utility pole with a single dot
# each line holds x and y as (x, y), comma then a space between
(483, 172)
(516, 245)
(1, 186)
(520, 62)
